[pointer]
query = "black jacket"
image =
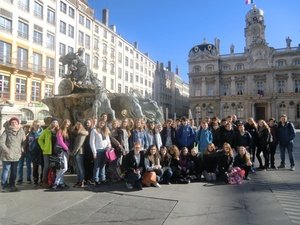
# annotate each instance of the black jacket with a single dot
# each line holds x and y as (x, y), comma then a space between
(130, 163)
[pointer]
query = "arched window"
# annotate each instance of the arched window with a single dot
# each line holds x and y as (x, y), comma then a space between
(210, 111)
(296, 62)
(226, 67)
(210, 68)
(43, 114)
(27, 114)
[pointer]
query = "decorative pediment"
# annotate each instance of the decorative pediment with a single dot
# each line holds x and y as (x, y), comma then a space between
(281, 76)
(210, 79)
(226, 80)
(260, 77)
(240, 78)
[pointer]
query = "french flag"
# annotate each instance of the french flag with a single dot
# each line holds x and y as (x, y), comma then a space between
(248, 2)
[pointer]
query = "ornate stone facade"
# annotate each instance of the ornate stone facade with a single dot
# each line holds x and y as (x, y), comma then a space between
(261, 82)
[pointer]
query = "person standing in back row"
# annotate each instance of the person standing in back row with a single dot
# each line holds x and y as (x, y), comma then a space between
(286, 136)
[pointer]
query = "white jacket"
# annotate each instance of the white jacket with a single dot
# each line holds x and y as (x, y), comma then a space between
(97, 141)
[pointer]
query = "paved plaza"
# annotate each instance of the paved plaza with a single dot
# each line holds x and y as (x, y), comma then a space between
(270, 197)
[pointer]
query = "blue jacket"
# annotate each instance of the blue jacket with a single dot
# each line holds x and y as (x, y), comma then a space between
(185, 136)
(286, 133)
(204, 137)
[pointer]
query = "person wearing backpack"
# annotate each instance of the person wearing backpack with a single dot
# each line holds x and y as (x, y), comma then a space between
(286, 136)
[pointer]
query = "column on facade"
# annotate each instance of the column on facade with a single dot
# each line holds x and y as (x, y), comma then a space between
(43, 84)
(12, 86)
(290, 85)
(28, 87)
(232, 86)
(203, 87)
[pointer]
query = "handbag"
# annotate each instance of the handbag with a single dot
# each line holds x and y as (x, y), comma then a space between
(110, 154)
(149, 178)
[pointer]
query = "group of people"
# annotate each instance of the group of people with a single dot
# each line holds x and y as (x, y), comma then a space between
(141, 153)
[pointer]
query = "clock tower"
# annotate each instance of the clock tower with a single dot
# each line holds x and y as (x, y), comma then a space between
(255, 28)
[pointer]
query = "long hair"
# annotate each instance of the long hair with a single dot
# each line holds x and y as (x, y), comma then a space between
(230, 152)
(103, 130)
(153, 158)
(174, 151)
(78, 128)
(207, 152)
(64, 129)
(265, 125)
(252, 121)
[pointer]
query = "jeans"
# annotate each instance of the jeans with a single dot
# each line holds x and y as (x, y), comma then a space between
(167, 175)
(133, 179)
(289, 146)
(79, 167)
(99, 166)
(46, 168)
(6, 167)
(60, 174)
(27, 157)
(273, 147)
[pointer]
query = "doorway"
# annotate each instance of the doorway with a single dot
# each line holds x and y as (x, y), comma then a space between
(259, 111)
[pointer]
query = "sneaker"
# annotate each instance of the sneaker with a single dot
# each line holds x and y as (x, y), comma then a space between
(129, 186)
(55, 187)
(274, 167)
(13, 189)
(19, 182)
(4, 189)
(292, 168)
(156, 185)
(282, 166)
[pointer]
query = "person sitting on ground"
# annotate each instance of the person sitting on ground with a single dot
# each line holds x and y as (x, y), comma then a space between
(152, 166)
(184, 165)
(225, 160)
(134, 166)
(242, 160)
(174, 152)
(210, 163)
(165, 161)
(196, 165)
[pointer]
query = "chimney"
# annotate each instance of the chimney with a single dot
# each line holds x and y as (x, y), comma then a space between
(105, 17)
(135, 44)
(113, 28)
(169, 66)
(177, 70)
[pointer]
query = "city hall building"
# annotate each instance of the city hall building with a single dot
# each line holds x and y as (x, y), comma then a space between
(261, 82)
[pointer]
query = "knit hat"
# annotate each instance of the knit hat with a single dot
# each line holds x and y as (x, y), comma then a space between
(54, 119)
(12, 119)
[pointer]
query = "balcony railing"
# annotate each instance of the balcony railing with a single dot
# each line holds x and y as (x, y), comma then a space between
(23, 35)
(28, 67)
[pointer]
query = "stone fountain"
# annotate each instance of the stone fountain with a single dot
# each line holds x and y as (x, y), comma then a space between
(81, 96)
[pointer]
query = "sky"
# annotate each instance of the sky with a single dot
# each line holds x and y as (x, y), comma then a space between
(168, 29)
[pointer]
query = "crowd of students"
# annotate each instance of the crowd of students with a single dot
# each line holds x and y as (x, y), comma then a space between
(143, 153)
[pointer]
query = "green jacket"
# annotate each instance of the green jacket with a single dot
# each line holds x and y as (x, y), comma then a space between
(45, 141)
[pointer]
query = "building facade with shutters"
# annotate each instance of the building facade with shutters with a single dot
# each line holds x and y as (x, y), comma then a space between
(261, 82)
(33, 36)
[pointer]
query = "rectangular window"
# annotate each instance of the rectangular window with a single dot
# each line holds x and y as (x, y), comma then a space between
(281, 86)
(4, 87)
(51, 16)
(48, 90)
(88, 23)
(131, 63)
(50, 66)
(38, 10)
(260, 88)
(63, 7)
(126, 61)
(112, 53)
(80, 38)
(71, 12)
(210, 89)
(87, 60)
(20, 89)
(23, 5)
(297, 86)
(23, 30)
(126, 89)
(71, 31)
(141, 80)
(61, 71)
(5, 24)
(104, 81)
(70, 49)
(96, 44)
(35, 91)
(50, 44)
(131, 77)
(120, 73)
(22, 58)
(137, 66)
(104, 65)
(96, 29)
(81, 19)
(120, 57)
(87, 41)
(38, 35)
(112, 68)
(62, 49)
(240, 88)
(37, 62)
(126, 75)
(119, 88)
(62, 27)
(112, 39)
(96, 62)
(105, 34)
(112, 84)
(104, 48)
(136, 78)
(5, 52)
(226, 89)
